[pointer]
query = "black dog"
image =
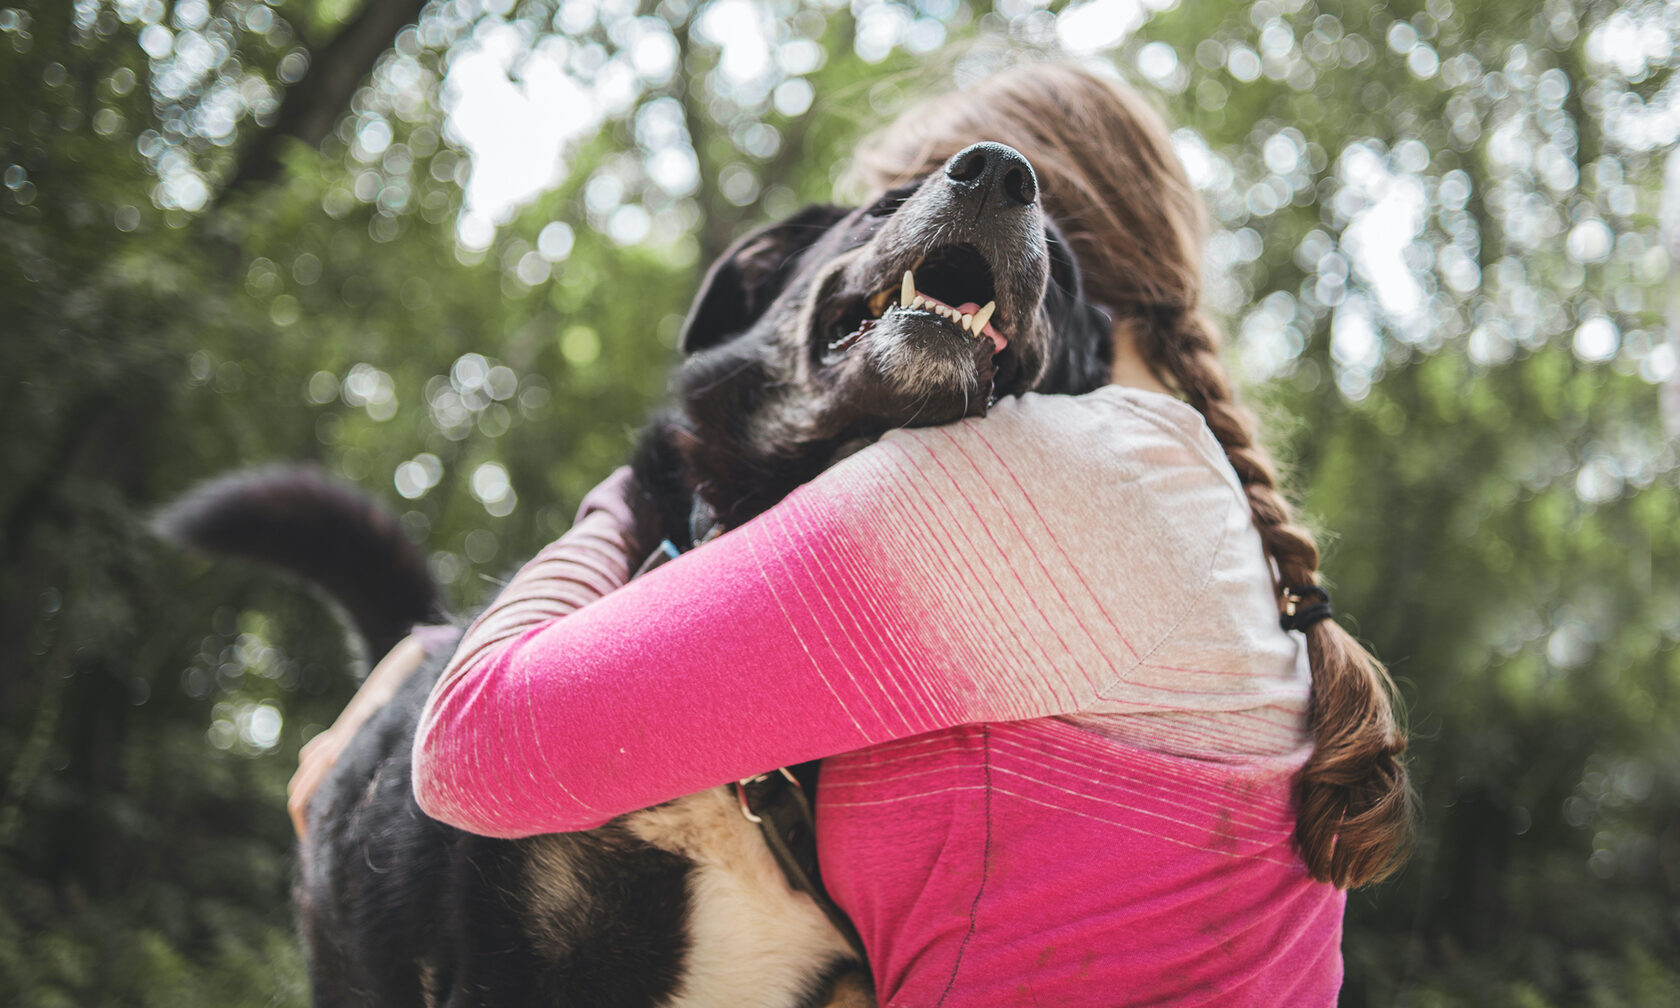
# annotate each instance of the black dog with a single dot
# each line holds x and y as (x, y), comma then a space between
(809, 338)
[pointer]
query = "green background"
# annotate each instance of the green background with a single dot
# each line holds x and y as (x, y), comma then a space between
(229, 234)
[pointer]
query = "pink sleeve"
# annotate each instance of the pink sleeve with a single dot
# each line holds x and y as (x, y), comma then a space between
(763, 648)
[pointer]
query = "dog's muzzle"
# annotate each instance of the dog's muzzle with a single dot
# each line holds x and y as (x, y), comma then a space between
(943, 302)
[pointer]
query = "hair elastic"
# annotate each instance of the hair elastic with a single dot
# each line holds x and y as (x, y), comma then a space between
(1298, 617)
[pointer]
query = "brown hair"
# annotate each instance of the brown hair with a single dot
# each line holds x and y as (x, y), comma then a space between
(1110, 178)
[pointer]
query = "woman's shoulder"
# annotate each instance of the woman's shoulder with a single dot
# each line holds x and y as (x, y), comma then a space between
(1128, 419)
(1107, 521)
(1115, 472)
(1128, 440)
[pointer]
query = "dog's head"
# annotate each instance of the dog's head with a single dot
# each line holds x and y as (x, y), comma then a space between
(817, 334)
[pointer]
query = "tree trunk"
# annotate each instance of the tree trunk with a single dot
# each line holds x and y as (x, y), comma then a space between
(1670, 220)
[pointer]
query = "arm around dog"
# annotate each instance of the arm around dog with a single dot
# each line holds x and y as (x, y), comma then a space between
(588, 562)
(940, 577)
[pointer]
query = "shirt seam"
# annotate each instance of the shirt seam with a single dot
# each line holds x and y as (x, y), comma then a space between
(1225, 475)
(985, 866)
(1184, 612)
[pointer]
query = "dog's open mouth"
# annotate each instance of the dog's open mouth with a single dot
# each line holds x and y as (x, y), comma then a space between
(953, 284)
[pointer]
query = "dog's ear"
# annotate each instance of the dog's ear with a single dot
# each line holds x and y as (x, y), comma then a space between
(750, 274)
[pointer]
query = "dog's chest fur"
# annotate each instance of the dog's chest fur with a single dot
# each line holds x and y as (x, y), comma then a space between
(745, 927)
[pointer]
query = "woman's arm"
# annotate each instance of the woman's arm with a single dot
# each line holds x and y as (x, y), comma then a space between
(694, 674)
(946, 576)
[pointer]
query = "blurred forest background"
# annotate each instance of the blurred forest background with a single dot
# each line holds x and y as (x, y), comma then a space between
(442, 248)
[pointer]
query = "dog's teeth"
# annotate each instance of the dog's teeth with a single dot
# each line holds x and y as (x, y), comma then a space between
(967, 322)
(878, 303)
(909, 289)
(916, 302)
(983, 316)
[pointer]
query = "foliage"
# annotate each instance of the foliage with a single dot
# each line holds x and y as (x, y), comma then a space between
(1434, 245)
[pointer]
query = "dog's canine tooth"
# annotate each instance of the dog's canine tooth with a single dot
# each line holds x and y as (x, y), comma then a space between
(909, 288)
(983, 316)
(878, 303)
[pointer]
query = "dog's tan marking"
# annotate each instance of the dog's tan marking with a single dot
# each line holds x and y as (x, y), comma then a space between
(851, 991)
(428, 983)
(556, 892)
(746, 924)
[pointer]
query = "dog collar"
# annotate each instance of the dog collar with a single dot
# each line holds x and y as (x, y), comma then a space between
(663, 553)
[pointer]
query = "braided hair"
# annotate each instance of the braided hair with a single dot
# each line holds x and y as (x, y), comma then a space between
(1110, 178)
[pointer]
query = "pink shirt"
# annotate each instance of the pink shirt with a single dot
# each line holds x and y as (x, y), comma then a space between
(1040, 651)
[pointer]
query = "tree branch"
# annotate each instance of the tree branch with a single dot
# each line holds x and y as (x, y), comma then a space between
(312, 106)
(716, 219)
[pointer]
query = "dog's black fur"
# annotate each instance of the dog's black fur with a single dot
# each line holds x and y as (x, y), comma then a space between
(794, 359)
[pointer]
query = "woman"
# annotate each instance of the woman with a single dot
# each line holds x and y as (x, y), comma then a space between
(1070, 756)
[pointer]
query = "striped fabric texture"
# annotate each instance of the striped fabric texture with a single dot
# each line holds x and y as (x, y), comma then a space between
(1040, 651)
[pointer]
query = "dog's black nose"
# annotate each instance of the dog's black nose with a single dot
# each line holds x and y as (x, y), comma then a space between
(988, 165)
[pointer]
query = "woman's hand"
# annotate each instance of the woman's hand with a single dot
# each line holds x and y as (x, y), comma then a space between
(315, 760)
(320, 754)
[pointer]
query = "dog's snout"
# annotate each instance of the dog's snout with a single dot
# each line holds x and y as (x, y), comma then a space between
(993, 166)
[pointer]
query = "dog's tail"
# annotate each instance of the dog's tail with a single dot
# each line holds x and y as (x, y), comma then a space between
(330, 534)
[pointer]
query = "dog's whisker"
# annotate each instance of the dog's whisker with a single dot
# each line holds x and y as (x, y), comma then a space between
(725, 378)
(921, 404)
